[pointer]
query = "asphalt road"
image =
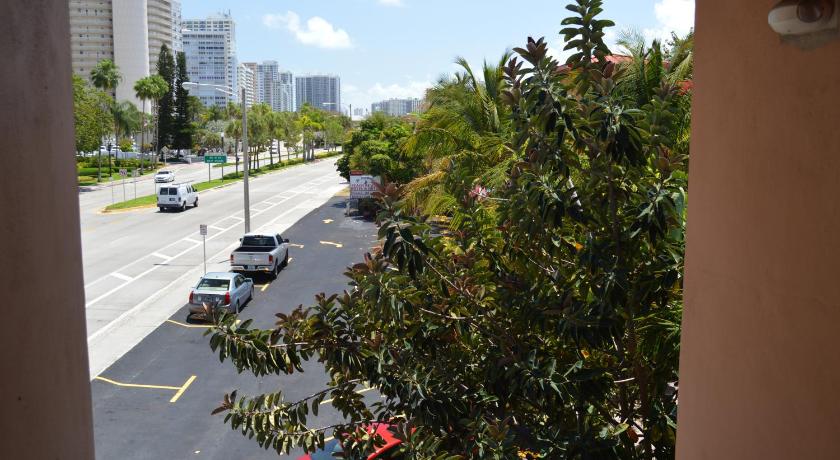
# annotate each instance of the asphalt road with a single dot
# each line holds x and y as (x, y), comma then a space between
(144, 423)
(137, 264)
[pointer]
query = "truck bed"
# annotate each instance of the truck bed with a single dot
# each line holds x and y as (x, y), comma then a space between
(255, 249)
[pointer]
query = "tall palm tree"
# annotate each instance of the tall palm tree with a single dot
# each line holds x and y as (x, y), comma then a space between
(149, 88)
(233, 130)
(126, 118)
(461, 138)
(106, 76)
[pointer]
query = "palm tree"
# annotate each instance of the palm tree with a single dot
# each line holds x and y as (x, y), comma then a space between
(149, 88)
(461, 138)
(126, 118)
(106, 76)
(234, 130)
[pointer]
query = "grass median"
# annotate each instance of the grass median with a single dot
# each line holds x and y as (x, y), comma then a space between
(151, 200)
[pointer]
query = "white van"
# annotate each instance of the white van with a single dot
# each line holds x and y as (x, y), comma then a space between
(177, 196)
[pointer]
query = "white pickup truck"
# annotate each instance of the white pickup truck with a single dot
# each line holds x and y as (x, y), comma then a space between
(260, 253)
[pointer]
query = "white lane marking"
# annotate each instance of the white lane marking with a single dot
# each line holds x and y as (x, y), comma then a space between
(164, 257)
(121, 276)
(217, 228)
(184, 252)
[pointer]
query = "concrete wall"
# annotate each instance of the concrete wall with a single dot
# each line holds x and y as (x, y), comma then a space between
(759, 371)
(44, 385)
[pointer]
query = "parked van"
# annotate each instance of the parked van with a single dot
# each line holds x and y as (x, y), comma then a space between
(177, 196)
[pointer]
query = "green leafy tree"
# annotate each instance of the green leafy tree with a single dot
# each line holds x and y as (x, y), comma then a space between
(152, 88)
(543, 317)
(165, 126)
(106, 76)
(377, 147)
(91, 118)
(291, 135)
(183, 127)
(233, 130)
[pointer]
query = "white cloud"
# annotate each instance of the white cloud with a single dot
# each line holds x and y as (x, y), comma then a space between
(391, 2)
(317, 31)
(673, 16)
(412, 89)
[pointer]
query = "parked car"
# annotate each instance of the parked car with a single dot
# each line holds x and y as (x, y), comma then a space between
(259, 253)
(387, 452)
(220, 290)
(164, 176)
(177, 196)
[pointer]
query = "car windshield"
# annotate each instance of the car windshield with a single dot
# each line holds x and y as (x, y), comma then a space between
(163, 172)
(211, 284)
(266, 241)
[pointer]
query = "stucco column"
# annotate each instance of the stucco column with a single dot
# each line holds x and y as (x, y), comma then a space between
(760, 369)
(45, 405)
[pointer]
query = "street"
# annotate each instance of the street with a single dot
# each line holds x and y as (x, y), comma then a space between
(155, 401)
(139, 264)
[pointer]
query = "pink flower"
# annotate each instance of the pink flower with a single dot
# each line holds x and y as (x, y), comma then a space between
(478, 192)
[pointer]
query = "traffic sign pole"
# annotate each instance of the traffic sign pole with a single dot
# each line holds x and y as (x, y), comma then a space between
(203, 230)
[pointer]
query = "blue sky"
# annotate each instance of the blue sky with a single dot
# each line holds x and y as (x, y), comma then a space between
(397, 48)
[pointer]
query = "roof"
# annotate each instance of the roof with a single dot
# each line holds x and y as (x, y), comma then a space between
(219, 275)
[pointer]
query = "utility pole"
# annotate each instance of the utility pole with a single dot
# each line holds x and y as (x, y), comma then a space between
(247, 163)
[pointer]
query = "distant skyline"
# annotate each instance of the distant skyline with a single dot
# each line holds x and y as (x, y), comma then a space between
(385, 49)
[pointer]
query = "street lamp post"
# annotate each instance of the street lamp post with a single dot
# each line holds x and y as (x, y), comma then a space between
(230, 92)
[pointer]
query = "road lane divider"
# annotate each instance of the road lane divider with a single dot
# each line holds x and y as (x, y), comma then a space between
(330, 243)
(295, 245)
(179, 391)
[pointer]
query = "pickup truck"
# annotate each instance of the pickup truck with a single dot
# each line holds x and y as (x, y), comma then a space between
(260, 253)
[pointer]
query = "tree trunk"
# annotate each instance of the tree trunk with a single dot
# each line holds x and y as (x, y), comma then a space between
(142, 134)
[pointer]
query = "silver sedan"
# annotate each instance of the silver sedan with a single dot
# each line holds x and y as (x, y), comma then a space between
(220, 290)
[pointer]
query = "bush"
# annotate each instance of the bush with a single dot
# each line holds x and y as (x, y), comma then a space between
(93, 172)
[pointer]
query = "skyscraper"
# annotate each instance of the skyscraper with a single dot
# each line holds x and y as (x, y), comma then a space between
(397, 107)
(246, 80)
(273, 86)
(210, 49)
(130, 32)
(320, 91)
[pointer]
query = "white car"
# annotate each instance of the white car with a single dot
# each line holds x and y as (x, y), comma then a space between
(230, 291)
(164, 176)
(177, 196)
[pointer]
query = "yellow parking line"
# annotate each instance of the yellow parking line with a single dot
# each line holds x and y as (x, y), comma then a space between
(183, 389)
(330, 243)
(296, 245)
(328, 221)
(136, 385)
(364, 390)
(263, 287)
(195, 326)
(326, 440)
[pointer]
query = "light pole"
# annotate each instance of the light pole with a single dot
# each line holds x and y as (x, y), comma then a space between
(230, 92)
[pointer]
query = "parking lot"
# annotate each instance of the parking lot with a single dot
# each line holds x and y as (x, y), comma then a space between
(155, 401)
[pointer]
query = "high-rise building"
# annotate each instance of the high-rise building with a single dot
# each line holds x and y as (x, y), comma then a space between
(247, 80)
(397, 107)
(210, 49)
(320, 91)
(273, 86)
(129, 32)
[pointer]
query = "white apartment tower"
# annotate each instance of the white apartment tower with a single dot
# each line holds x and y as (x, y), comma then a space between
(210, 49)
(273, 86)
(129, 32)
(398, 107)
(247, 80)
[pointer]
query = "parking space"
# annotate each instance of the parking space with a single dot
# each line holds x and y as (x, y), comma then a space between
(135, 417)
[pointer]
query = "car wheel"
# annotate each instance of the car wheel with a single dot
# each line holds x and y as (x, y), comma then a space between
(195, 205)
(286, 260)
(274, 272)
(235, 308)
(162, 209)
(183, 206)
(251, 295)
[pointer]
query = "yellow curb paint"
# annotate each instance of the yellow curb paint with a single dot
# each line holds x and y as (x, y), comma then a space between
(330, 243)
(328, 221)
(136, 385)
(183, 389)
(263, 287)
(191, 326)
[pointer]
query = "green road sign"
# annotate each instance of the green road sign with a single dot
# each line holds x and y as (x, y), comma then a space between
(215, 159)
